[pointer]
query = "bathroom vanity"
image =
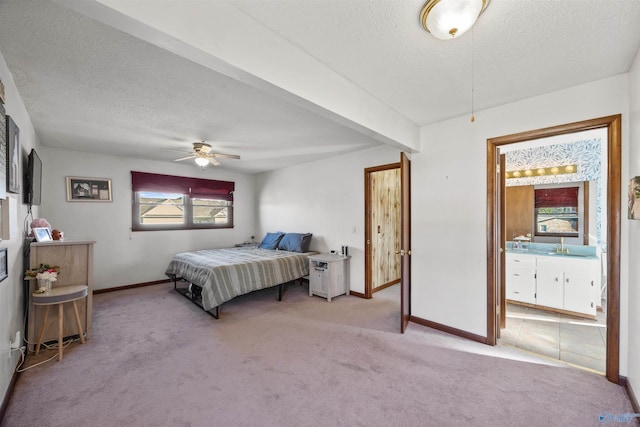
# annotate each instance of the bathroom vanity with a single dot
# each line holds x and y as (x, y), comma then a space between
(545, 278)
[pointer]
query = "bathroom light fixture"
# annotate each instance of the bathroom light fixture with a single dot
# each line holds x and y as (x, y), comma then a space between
(552, 170)
(448, 19)
(202, 161)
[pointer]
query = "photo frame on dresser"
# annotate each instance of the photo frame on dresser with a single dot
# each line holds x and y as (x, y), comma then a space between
(42, 234)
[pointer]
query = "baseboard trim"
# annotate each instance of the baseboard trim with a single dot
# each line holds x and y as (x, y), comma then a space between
(448, 329)
(632, 396)
(135, 285)
(7, 396)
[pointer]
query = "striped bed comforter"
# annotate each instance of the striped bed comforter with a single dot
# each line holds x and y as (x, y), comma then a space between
(224, 274)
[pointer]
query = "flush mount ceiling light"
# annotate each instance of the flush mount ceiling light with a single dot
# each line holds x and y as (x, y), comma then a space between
(448, 19)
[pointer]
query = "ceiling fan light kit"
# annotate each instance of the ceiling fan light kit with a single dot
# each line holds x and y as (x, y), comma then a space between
(203, 155)
(449, 19)
(202, 162)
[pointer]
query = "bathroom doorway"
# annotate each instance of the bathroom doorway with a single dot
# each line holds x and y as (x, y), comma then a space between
(497, 239)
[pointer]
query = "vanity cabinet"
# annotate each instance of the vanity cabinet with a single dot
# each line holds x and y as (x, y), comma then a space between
(557, 282)
(521, 278)
(568, 284)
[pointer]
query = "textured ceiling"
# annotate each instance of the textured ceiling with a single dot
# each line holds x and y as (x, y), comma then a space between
(521, 48)
(88, 86)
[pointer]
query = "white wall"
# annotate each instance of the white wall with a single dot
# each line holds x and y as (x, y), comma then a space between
(633, 373)
(11, 312)
(325, 198)
(123, 257)
(449, 196)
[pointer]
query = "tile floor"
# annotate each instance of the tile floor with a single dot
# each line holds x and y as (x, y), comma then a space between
(571, 339)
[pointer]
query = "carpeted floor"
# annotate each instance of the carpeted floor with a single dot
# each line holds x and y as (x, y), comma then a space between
(156, 360)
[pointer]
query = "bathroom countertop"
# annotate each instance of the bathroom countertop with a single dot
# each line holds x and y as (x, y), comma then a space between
(550, 250)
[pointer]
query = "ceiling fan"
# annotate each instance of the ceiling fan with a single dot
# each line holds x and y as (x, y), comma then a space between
(203, 155)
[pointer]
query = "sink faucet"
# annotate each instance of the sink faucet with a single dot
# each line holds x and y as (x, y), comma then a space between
(562, 249)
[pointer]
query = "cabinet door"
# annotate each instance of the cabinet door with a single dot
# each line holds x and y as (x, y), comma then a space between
(550, 286)
(578, 289)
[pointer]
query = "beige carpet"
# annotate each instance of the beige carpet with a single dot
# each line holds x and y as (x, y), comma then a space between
(157, 360)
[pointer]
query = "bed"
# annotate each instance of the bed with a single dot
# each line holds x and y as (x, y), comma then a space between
(215, 276)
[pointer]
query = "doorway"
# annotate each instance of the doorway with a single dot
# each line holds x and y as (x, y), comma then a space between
(555, 248)
(496, 239)
(382, 227)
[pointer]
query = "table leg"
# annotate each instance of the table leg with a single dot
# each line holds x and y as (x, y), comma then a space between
(78, 323)
(60, 326)
(42, 328)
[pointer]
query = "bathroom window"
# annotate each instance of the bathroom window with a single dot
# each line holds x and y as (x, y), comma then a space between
(556, 212)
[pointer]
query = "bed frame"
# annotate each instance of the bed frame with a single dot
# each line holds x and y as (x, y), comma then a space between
(193, 292)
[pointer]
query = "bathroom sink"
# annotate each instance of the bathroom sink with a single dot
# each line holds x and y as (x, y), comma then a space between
(567, 254)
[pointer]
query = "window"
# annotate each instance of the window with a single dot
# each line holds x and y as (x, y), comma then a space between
(164, 202)
(556, 212)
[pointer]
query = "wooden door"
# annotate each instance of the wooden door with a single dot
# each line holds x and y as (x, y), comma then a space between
(519, 215)
(385, 228)
(502, 238)
(405, 241)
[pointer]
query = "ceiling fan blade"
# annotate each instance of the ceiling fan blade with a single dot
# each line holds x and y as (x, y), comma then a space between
(205, 148)
(214, 161)
(226, 156)
(185, 158)
(177, 151)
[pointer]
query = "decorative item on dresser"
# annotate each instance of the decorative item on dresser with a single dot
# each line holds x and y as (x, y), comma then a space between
(75, 261)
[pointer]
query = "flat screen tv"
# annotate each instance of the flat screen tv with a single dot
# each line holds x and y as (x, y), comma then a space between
(33, 180)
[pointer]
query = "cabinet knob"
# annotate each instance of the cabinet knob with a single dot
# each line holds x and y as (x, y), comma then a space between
(556, 279)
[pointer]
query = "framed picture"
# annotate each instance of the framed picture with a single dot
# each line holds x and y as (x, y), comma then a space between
(3, 264)
(88, 189)
(3, 152)
(42, 234)
(634, 198)
(13, 156)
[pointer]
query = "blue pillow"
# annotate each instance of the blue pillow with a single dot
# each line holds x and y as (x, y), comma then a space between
(271, 240)
(295, 242)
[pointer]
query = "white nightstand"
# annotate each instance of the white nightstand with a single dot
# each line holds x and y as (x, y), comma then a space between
(328, 275)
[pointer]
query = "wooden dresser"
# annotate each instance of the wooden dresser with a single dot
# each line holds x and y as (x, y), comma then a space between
(75, 259)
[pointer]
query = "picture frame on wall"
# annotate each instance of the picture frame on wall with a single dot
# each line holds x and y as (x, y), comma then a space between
(81, 189)
(4, 271)
(3, 152)
(634, 198)
(42, 234)
(13, 156)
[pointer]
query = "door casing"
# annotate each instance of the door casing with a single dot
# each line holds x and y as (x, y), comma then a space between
(495, 228)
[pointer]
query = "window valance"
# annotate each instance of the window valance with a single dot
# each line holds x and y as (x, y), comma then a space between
(194, 187)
